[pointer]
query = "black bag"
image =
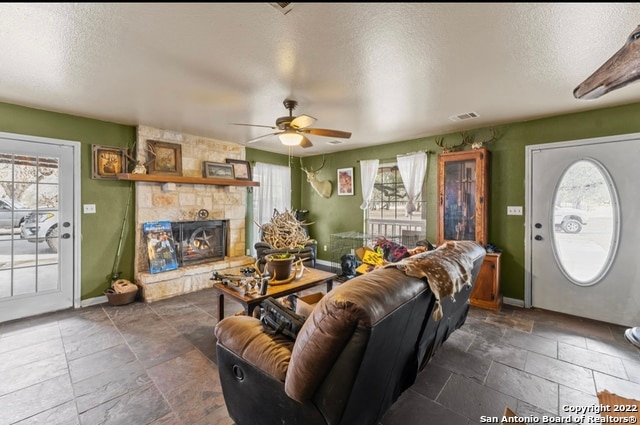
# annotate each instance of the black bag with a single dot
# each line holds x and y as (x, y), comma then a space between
(277, 318)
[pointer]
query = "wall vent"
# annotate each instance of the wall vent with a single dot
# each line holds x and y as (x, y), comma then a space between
(462, 117)
(283, 7)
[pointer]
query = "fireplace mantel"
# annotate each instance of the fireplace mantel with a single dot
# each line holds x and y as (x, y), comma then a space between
(161, 178)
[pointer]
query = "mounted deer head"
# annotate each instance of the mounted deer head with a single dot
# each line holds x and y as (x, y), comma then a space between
(619, 70)
(323, 188)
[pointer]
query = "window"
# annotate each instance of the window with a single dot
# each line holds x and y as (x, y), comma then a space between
(585, 256)
(274, 192)
(387, 215)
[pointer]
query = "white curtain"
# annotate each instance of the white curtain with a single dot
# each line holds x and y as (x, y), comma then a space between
(413, 168)
(274, 192)
(368, 172)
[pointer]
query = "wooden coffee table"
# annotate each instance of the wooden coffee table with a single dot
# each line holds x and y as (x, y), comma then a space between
(311, 278)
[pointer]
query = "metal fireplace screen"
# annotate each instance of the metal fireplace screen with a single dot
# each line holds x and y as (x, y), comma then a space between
(200, 241)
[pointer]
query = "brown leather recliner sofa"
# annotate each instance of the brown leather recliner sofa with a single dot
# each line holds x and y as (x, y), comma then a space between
(361, 347)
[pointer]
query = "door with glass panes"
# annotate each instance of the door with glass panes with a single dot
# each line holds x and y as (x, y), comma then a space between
(37, 248)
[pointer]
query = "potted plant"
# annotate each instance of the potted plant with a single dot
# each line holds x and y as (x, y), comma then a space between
(280, 265)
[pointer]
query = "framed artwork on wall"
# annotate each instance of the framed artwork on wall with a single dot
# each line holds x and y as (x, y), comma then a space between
(345, 181)
(218, 170)
(241, 169)
(166, 158)
(107, 162)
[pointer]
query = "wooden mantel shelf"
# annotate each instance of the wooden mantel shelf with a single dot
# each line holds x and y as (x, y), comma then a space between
(160, 178)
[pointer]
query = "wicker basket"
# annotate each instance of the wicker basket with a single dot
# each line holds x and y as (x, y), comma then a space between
(120, 299)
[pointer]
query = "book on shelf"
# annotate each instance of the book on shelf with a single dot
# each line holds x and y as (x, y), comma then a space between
(161, 247)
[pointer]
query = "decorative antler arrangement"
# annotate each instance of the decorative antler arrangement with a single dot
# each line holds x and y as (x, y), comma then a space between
(466, 140)
(447, 149)
(284, 231)
(480, 144)
(141, 167)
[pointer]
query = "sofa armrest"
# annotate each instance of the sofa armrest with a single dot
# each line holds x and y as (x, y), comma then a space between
(244, 336)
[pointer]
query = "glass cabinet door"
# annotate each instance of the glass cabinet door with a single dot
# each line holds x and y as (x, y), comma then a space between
(462, 182)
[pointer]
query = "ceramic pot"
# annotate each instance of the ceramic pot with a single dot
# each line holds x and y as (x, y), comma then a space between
(279, 268)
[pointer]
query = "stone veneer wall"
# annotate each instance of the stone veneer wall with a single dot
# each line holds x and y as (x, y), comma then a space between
(181, 202)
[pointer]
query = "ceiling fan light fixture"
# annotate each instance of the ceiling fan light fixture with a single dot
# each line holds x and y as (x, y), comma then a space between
(290, 138)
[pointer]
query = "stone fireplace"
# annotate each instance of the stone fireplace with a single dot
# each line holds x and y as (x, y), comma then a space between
(180, 203)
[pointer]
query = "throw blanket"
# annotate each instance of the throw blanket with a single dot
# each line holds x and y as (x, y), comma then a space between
(446, 268)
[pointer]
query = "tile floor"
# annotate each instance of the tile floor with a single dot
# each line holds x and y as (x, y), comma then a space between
(156, 364)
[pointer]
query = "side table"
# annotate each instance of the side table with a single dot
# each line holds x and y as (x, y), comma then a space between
(310, 279)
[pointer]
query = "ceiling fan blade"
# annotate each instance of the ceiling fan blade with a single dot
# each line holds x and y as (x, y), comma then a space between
(305, 143)
(302, 121)
(261, 137)
(327, 133)
(256, 125)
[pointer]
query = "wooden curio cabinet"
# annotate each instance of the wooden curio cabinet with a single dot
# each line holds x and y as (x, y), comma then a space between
(463, 196)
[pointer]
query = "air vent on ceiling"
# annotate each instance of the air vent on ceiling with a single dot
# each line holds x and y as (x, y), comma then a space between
(283, 7)
(462, 117)
(335, 142)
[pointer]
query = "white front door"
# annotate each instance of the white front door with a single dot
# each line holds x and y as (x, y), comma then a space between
(583, 228)
(37, 242)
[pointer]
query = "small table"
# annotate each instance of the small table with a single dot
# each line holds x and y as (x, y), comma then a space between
(311, 278)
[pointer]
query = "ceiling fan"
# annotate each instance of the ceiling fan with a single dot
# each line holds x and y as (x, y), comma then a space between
(292, 129)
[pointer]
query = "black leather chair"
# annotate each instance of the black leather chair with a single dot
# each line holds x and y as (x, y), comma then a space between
(307, 253)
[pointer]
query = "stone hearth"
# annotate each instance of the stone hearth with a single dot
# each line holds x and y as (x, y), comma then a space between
(181, 202)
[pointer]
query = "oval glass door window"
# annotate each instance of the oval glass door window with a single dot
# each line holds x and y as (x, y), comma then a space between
(586, 222)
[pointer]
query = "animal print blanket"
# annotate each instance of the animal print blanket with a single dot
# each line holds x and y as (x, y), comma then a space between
(446, 268)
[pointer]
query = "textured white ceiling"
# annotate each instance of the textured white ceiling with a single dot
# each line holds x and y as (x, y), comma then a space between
(384, 71)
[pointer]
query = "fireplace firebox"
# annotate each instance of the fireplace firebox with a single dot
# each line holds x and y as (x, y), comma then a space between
(200, 241)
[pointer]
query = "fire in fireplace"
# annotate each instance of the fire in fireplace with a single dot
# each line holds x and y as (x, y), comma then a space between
(200, 241)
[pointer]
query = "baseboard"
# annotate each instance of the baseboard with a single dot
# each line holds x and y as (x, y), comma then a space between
(324, 263)
(94, 301)
(513, 301)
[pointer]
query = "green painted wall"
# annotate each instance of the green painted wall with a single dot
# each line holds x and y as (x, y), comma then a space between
(100, 231)
(334, 215)
(341, 213)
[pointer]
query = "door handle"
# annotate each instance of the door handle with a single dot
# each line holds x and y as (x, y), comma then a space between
(538, 237)
(537, 225)
(65, 236)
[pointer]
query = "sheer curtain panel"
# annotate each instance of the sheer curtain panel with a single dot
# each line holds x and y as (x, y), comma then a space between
(274, 192)
(368, 172)
(413, 168)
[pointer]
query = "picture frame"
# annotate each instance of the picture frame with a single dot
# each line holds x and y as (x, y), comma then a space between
(165, 158)
(217, 170)
(107, 162)
(345, 181)
(241, 169)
